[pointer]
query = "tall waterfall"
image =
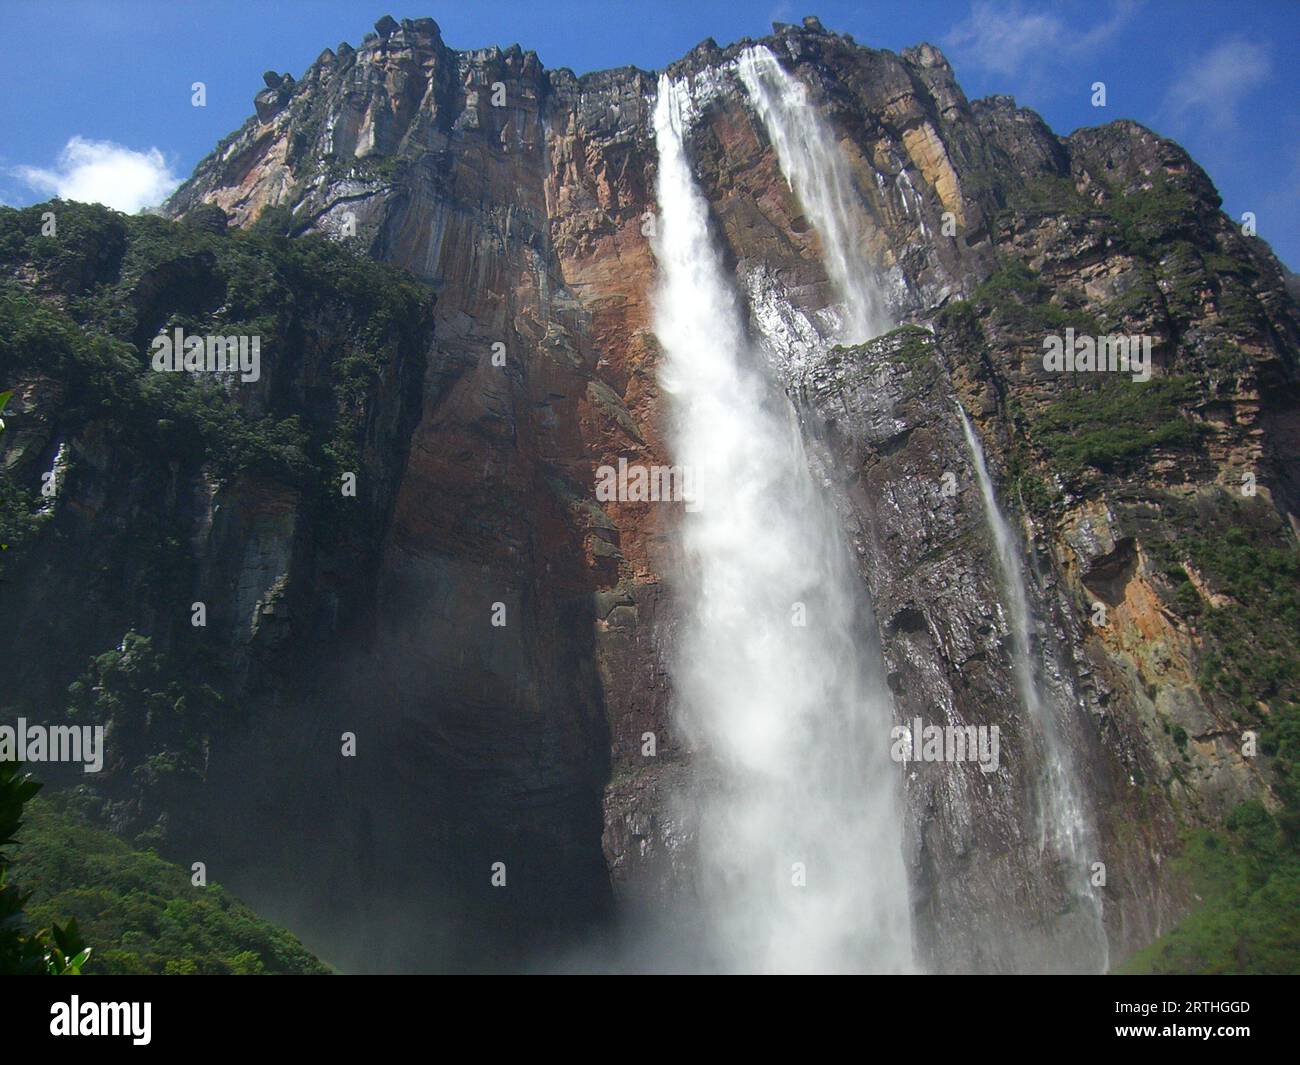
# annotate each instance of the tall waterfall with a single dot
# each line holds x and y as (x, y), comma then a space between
(800, 838)
(1064, 825)
(817, 174)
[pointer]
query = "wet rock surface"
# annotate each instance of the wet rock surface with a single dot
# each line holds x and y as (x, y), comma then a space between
(525, 197)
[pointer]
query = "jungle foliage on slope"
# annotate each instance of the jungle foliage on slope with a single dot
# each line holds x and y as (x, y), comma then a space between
(56, 950)
(79, 309)
(82, 307)
(142, 914)
(159, 707)
(83, 292)
(1247, 878)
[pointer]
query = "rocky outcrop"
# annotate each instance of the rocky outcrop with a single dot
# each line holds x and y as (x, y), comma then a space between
(524, 198)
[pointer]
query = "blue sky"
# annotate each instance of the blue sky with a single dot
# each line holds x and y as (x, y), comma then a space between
(95, 94)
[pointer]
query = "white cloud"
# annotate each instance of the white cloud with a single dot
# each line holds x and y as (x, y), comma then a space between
(104, 172)
(1007, 40)
(1214, 85)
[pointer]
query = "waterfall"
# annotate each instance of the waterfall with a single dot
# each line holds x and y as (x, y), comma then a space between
(816, 172)
(1063, 820)
(800, 835)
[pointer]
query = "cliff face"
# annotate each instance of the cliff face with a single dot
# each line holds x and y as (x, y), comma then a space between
(525, 199)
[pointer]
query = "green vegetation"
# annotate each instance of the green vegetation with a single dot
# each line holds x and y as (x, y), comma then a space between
(88, 243)
(160, 709)
(20, 514)
(958, 316)
(1255, 658)
(1149, 220)
(1248, 874)
(54, 951)
(1112, 423)
(78, 313)
(81, 309)
(58, 950)
(1163, 226)
(1045, 194)
(1035, 493)
(1145, 222)
(1138, 301)
(914, 344)
(1248, 879)
(141, 912)
(135, 277)
(1020, 300)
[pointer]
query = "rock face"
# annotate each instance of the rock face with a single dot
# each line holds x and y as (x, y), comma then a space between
(525, 198)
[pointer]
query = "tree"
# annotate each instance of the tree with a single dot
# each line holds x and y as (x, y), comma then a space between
(54, 951)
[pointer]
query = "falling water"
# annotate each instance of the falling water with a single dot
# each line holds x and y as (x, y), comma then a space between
(817, 174)
(1063, 822)
(800, 837)
(815, 169)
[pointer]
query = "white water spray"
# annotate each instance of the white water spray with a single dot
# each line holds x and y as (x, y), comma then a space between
(1063, 820)
(800, 836)
(816, 171)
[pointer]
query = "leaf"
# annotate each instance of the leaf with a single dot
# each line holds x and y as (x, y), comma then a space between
(74, 966)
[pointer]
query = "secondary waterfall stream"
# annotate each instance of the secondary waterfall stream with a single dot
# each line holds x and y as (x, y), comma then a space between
(800, 835)
(1063, 819)
(817, 173)
(815, 170)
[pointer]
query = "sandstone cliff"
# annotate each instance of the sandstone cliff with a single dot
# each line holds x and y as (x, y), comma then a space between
(523, 198)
